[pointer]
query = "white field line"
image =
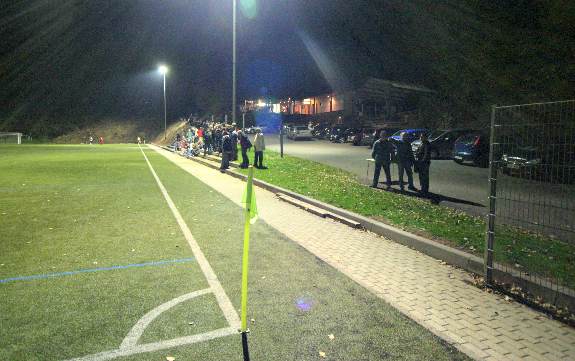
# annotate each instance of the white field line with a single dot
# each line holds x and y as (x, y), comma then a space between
(157, 346)
(129, 345)
(223, 300)
(136, 332)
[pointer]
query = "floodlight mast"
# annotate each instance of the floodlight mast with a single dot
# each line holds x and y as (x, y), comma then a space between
(234, 62)
(164, 70)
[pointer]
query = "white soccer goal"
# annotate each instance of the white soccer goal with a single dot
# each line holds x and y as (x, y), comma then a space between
(15, 138)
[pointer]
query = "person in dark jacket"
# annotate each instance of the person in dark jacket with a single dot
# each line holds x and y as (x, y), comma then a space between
(218, 140)
(382, 153)
(423, 163)
(207, 141)
(405, 161)
(245, 145)
(234, 141)
(226, 151)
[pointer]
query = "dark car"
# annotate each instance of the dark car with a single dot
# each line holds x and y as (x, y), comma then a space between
(364, 137)
(339, 134)
(472, 147)
(550, 163)
(441, 142)
(411, 134)
(334, 133)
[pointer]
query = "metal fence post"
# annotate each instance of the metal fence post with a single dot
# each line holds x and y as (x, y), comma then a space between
(282, 139)
(490, 233)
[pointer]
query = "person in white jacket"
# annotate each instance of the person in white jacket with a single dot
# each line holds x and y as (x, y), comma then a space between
(259, 147)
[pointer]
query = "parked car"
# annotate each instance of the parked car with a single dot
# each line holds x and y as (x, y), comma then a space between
(551, 162)
(441, 142)
(522, 161)
(412, 134)
(472, 147)
(299, 132)
(251, 130)
(319, 131)
(336, 134)
(348, 135)
(363, 137)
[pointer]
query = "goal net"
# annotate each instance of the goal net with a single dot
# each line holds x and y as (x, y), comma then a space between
(14, 138)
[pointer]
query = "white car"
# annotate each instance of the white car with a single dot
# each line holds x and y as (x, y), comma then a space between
(299, 132)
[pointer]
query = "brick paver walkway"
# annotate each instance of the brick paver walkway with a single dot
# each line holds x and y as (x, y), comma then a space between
(439, 297)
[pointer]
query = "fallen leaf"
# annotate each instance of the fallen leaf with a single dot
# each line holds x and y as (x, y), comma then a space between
(191, 323)
(331, 336)
(321, 354)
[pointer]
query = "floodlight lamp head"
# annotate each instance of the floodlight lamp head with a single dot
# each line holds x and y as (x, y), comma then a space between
(163, 69)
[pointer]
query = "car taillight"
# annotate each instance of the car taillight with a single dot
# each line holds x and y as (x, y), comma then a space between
(477, 141)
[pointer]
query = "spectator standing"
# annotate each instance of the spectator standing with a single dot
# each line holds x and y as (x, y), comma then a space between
(259, 147)
(226, 151)
(234, 139)
(423, 163)
(245, 145)
(101, 140)
(218, 139)
(382, 153)
(207, 141)
(91, 139)
(405, 161)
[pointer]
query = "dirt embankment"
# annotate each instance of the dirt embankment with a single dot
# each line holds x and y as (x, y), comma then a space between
(116, 131)
(175, 128)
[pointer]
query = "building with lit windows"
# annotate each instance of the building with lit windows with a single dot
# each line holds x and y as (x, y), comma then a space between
(374, 103)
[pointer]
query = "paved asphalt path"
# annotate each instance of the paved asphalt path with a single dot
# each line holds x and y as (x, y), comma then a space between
(459, 186)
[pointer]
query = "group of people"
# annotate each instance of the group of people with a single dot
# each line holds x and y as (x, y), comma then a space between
(224, 140)
(384, 151)
(91, 140)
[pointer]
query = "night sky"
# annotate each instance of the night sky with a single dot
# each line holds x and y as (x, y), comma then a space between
(72, 58)
(100, 57)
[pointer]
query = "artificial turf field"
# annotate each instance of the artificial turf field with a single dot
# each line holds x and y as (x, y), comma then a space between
(88, 246)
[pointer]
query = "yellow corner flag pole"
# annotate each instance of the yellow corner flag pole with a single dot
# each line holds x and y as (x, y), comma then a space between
(250, 203)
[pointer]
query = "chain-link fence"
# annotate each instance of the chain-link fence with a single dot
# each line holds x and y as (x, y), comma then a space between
(531, 223)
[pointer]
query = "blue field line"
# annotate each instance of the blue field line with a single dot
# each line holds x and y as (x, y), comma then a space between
(90, 270)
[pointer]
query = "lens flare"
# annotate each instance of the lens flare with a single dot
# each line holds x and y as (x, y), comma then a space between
(249, 8)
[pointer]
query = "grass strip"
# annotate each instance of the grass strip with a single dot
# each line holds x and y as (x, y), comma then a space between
(522, 250)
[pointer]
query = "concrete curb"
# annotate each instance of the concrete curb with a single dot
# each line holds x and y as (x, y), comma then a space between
(550, 292)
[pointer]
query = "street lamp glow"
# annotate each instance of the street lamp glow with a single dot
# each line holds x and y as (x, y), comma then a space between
(163, 69)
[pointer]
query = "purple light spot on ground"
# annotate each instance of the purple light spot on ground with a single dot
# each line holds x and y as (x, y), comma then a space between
(303, 304)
